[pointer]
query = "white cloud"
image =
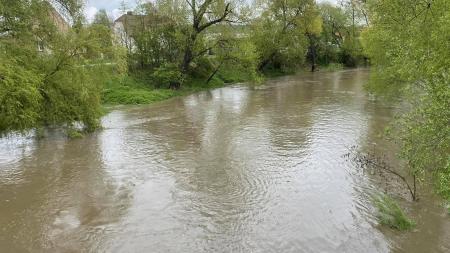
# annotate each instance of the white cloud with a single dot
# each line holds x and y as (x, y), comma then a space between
(115, 14)
(112, 8)
(89, 13)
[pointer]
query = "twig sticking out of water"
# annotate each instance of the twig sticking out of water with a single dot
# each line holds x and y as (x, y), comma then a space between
(367, 160)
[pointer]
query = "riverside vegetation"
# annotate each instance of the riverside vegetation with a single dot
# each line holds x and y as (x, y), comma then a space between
(202, 44)
(187, 46)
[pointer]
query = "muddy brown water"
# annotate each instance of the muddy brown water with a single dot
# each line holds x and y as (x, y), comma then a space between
(236, 169)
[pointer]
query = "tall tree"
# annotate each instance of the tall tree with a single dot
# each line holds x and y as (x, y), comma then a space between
(49, 72)
(205, 13)
(101, 18)
(280, 32)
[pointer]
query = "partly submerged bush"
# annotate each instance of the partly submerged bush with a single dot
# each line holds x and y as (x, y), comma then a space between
(73, 133)
(20, 99)
(333, 67)
(391, 214)
(443, 183)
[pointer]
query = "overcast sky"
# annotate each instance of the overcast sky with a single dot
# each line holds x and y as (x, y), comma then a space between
(113, 7)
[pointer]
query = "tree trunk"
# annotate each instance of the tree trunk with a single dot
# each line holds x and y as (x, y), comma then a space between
(188, 53)
(214, 73)
(186, 59)
(313, 58)
(312, 50)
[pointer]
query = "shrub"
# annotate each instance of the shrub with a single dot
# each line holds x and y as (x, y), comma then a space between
(168, 76)
(391, 214)
(73, 133)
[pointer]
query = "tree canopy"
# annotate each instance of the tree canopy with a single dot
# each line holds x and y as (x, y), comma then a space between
(408, 45)
(48, 75)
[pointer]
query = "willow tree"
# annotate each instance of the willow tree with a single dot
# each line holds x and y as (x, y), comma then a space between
(408, 44)
(50, 72)
(280, 33)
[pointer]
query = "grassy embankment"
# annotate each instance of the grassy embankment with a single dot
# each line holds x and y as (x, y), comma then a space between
(135, 89)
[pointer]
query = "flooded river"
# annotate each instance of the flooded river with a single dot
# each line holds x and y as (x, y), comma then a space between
(236, 169)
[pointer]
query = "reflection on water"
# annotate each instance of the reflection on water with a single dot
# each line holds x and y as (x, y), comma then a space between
(237, 169)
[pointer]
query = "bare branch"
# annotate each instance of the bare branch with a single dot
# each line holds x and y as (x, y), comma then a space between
(226, 12)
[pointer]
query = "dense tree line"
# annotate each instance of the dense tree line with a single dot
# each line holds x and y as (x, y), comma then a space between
(201, 38)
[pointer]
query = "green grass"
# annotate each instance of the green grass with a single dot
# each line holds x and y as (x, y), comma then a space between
(133, 95)
(139, 89)
(273, 72)
(332, 67)
(391, 214)
(229, 75)
(74, 133)
(129, 90)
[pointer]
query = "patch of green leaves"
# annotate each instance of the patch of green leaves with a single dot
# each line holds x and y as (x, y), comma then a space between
(391, 214)
(73, 133)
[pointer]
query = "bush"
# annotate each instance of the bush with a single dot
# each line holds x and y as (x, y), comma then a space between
(333, 67)
(390, 213)
(443, 183)
(73, 133)
(20, 99)
(168, 76)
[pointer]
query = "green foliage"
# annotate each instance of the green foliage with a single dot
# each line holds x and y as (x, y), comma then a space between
(158, 40)
(129, 90)
(351, 53)
(243, 59)
(443, 182)
(279, 34)
(58, 83)
(101, 18)
(236, 60)
(411, 57)
(20, 99)
(194, 38)
(168, 76)
(339, 41)
(73, 133)
(333, 67)
(391, 214)
(234, 74)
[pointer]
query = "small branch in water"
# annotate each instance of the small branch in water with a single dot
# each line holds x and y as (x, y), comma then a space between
(367, 160)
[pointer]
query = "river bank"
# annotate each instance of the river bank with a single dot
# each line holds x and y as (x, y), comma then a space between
(132, 90)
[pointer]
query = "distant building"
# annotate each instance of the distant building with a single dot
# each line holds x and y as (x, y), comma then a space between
(127, 26)
(60, 23)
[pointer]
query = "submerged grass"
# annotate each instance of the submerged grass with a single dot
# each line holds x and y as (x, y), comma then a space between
(332, 67)
(391, 214)
(73, 133)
